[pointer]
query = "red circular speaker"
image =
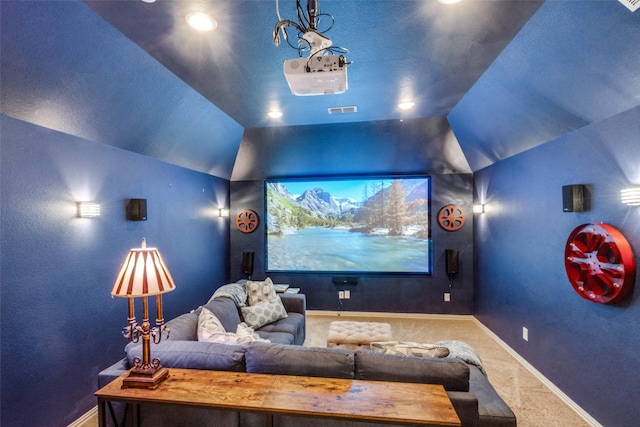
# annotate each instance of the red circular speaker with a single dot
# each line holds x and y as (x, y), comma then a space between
(451, 218)
(246, 220)
(600, 263)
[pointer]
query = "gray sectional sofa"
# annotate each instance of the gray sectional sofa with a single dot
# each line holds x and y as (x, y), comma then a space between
(473, 397)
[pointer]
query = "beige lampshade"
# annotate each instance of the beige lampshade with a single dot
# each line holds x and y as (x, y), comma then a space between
(143, 273)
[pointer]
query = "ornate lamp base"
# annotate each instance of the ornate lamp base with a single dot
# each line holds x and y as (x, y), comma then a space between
(149, 378)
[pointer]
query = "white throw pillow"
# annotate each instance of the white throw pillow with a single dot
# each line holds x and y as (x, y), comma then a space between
(245, 330)
(211, 330)
(228, 338)
(263, 313)
(208, 325)
(258, 292)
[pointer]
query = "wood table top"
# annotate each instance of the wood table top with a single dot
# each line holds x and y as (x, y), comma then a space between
(357, 400)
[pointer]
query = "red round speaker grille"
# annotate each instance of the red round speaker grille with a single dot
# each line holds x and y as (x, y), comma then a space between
(600, 264)
(451, 218)
(247, 221)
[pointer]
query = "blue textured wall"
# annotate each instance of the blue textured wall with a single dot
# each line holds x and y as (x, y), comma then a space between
(590, 351)
(60, 326)
(65, 68)
(412, 146)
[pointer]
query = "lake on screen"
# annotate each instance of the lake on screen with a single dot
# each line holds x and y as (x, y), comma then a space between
(329, 249)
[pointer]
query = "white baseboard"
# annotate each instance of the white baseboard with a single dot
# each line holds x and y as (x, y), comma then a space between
(91, 413)
(544, 380)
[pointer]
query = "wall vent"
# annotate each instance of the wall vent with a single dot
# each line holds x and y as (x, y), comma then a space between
(347, 109)
(632, 5)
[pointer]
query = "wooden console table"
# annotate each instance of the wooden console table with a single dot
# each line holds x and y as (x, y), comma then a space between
(355, 400)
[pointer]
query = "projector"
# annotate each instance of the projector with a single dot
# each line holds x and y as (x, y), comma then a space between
(320, 75)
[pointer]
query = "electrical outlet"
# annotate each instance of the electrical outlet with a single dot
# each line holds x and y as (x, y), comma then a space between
(525, 334)
(347, 294)
(447, 297)
(341, 294)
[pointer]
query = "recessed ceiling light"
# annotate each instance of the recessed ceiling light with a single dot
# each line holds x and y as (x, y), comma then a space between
(201, 21)
(406, 105)
(275, 114)
(448, 1)
(149, 1)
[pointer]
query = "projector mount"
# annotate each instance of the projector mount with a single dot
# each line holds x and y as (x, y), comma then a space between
(309, 38)
(317, 42)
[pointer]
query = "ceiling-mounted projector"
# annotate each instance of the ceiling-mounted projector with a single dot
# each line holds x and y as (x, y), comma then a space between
(319, 75)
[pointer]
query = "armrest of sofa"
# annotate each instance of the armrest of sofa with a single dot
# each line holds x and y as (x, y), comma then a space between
(294, 303)
(112, 372)
(466, 406)
(492, 409)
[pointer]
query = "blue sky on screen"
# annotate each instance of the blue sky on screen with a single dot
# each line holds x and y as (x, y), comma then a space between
(337, 188)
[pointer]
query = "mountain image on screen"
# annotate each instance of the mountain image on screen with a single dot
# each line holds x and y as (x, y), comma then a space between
(352, 225)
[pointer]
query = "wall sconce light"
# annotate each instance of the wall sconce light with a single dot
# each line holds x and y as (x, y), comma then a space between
(223, 213)
(406, 105)
(630, 195)
(478, 209)
(88, 209)
(143, 274)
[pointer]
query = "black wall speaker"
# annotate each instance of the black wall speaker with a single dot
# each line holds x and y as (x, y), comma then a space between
(451, 261)
(573, 198)
(247, 262)
(137, 210)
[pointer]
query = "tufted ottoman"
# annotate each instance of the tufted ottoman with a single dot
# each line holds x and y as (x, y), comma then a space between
(355, 335)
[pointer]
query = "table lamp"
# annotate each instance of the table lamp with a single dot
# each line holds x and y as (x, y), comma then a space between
(143, 274)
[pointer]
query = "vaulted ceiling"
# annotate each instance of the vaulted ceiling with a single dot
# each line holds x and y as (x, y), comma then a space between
(506, 75)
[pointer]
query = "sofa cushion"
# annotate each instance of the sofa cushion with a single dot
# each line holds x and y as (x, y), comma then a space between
(260, 291)
(183, 327)
(264, 312)
(452, 374)
(298, 360)
(276, 337)
(292, 324)
(226, 311)
(193, 355)
(295, 304)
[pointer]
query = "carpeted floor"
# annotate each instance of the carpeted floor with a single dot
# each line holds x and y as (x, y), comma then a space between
(533, 403)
